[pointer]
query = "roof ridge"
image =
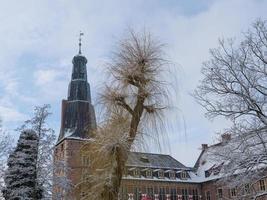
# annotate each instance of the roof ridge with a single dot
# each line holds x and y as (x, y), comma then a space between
(151, 153)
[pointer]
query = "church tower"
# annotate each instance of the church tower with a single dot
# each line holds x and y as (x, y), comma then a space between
(77, 123)
(78, 115)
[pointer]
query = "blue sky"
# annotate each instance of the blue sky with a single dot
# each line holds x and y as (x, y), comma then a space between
(39, 38)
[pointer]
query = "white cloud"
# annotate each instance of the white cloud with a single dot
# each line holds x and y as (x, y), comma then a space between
(44, 77)
(44, 33)
(189, 40)
(51, 82)
(10, 114)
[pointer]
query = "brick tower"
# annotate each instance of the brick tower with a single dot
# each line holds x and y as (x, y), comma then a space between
(77, 122)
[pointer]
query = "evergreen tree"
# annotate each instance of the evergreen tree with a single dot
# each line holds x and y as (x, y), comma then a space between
(45, 141)
(21, 175)
(6, 148)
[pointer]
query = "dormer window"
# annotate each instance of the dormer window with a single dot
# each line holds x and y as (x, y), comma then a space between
(172, 175)
(183, 175)
(161, 174)
(149, 173)
(136, 173)
(144, 159)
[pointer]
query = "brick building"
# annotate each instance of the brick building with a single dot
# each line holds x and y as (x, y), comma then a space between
(156, 176)
(77, 123)
(162, 175)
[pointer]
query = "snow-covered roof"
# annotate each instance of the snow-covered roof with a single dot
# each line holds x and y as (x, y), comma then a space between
(158, 162)
(151, 160)
(205, 169)
(74, 138)
(165, 179)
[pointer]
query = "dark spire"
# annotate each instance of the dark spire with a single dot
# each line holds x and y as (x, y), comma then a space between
(78, 115)
(80, 42)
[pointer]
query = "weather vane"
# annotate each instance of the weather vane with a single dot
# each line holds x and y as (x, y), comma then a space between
(80, 42)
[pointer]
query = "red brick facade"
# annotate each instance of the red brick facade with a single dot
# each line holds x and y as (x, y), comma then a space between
(69, 150)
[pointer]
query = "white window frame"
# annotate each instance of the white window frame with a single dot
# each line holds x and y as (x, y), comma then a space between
(233, 192)
(149, 173)
(161, 174)
(247, 188)
(207, 196)
(262, 185)
(218, 194)
(183, 175)
(172, 175)
(136, 173)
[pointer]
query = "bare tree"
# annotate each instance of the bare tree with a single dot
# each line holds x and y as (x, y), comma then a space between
(134, 100)
(235, 86)
(46, 142)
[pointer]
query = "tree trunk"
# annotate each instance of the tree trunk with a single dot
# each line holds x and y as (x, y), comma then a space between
(111, 189)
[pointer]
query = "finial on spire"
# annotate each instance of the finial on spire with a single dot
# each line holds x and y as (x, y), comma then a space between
(80, 42)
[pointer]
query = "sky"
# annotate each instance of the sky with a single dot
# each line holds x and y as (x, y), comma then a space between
(38, 40)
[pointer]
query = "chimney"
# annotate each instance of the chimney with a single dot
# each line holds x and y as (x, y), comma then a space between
(204, 147)
(226, 137)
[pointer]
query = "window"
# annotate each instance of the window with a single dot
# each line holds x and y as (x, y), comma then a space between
(233, 192)
(184, 194)
(195, 194)
(247, 189)
(136, 193)
(149, 192)
(172, 174)
(173, 194)
(156, 190)
(219, 193)
(161, 193)
(161, 174)
(139, 194)
(262, 185)
(167, 190)
(136, 172)
(183, 175)
(124, 194)
(149, 173)
(208, 195)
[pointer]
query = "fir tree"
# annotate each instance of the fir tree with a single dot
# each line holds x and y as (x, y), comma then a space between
(45, 141)
(5, 147)
(21, 175)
